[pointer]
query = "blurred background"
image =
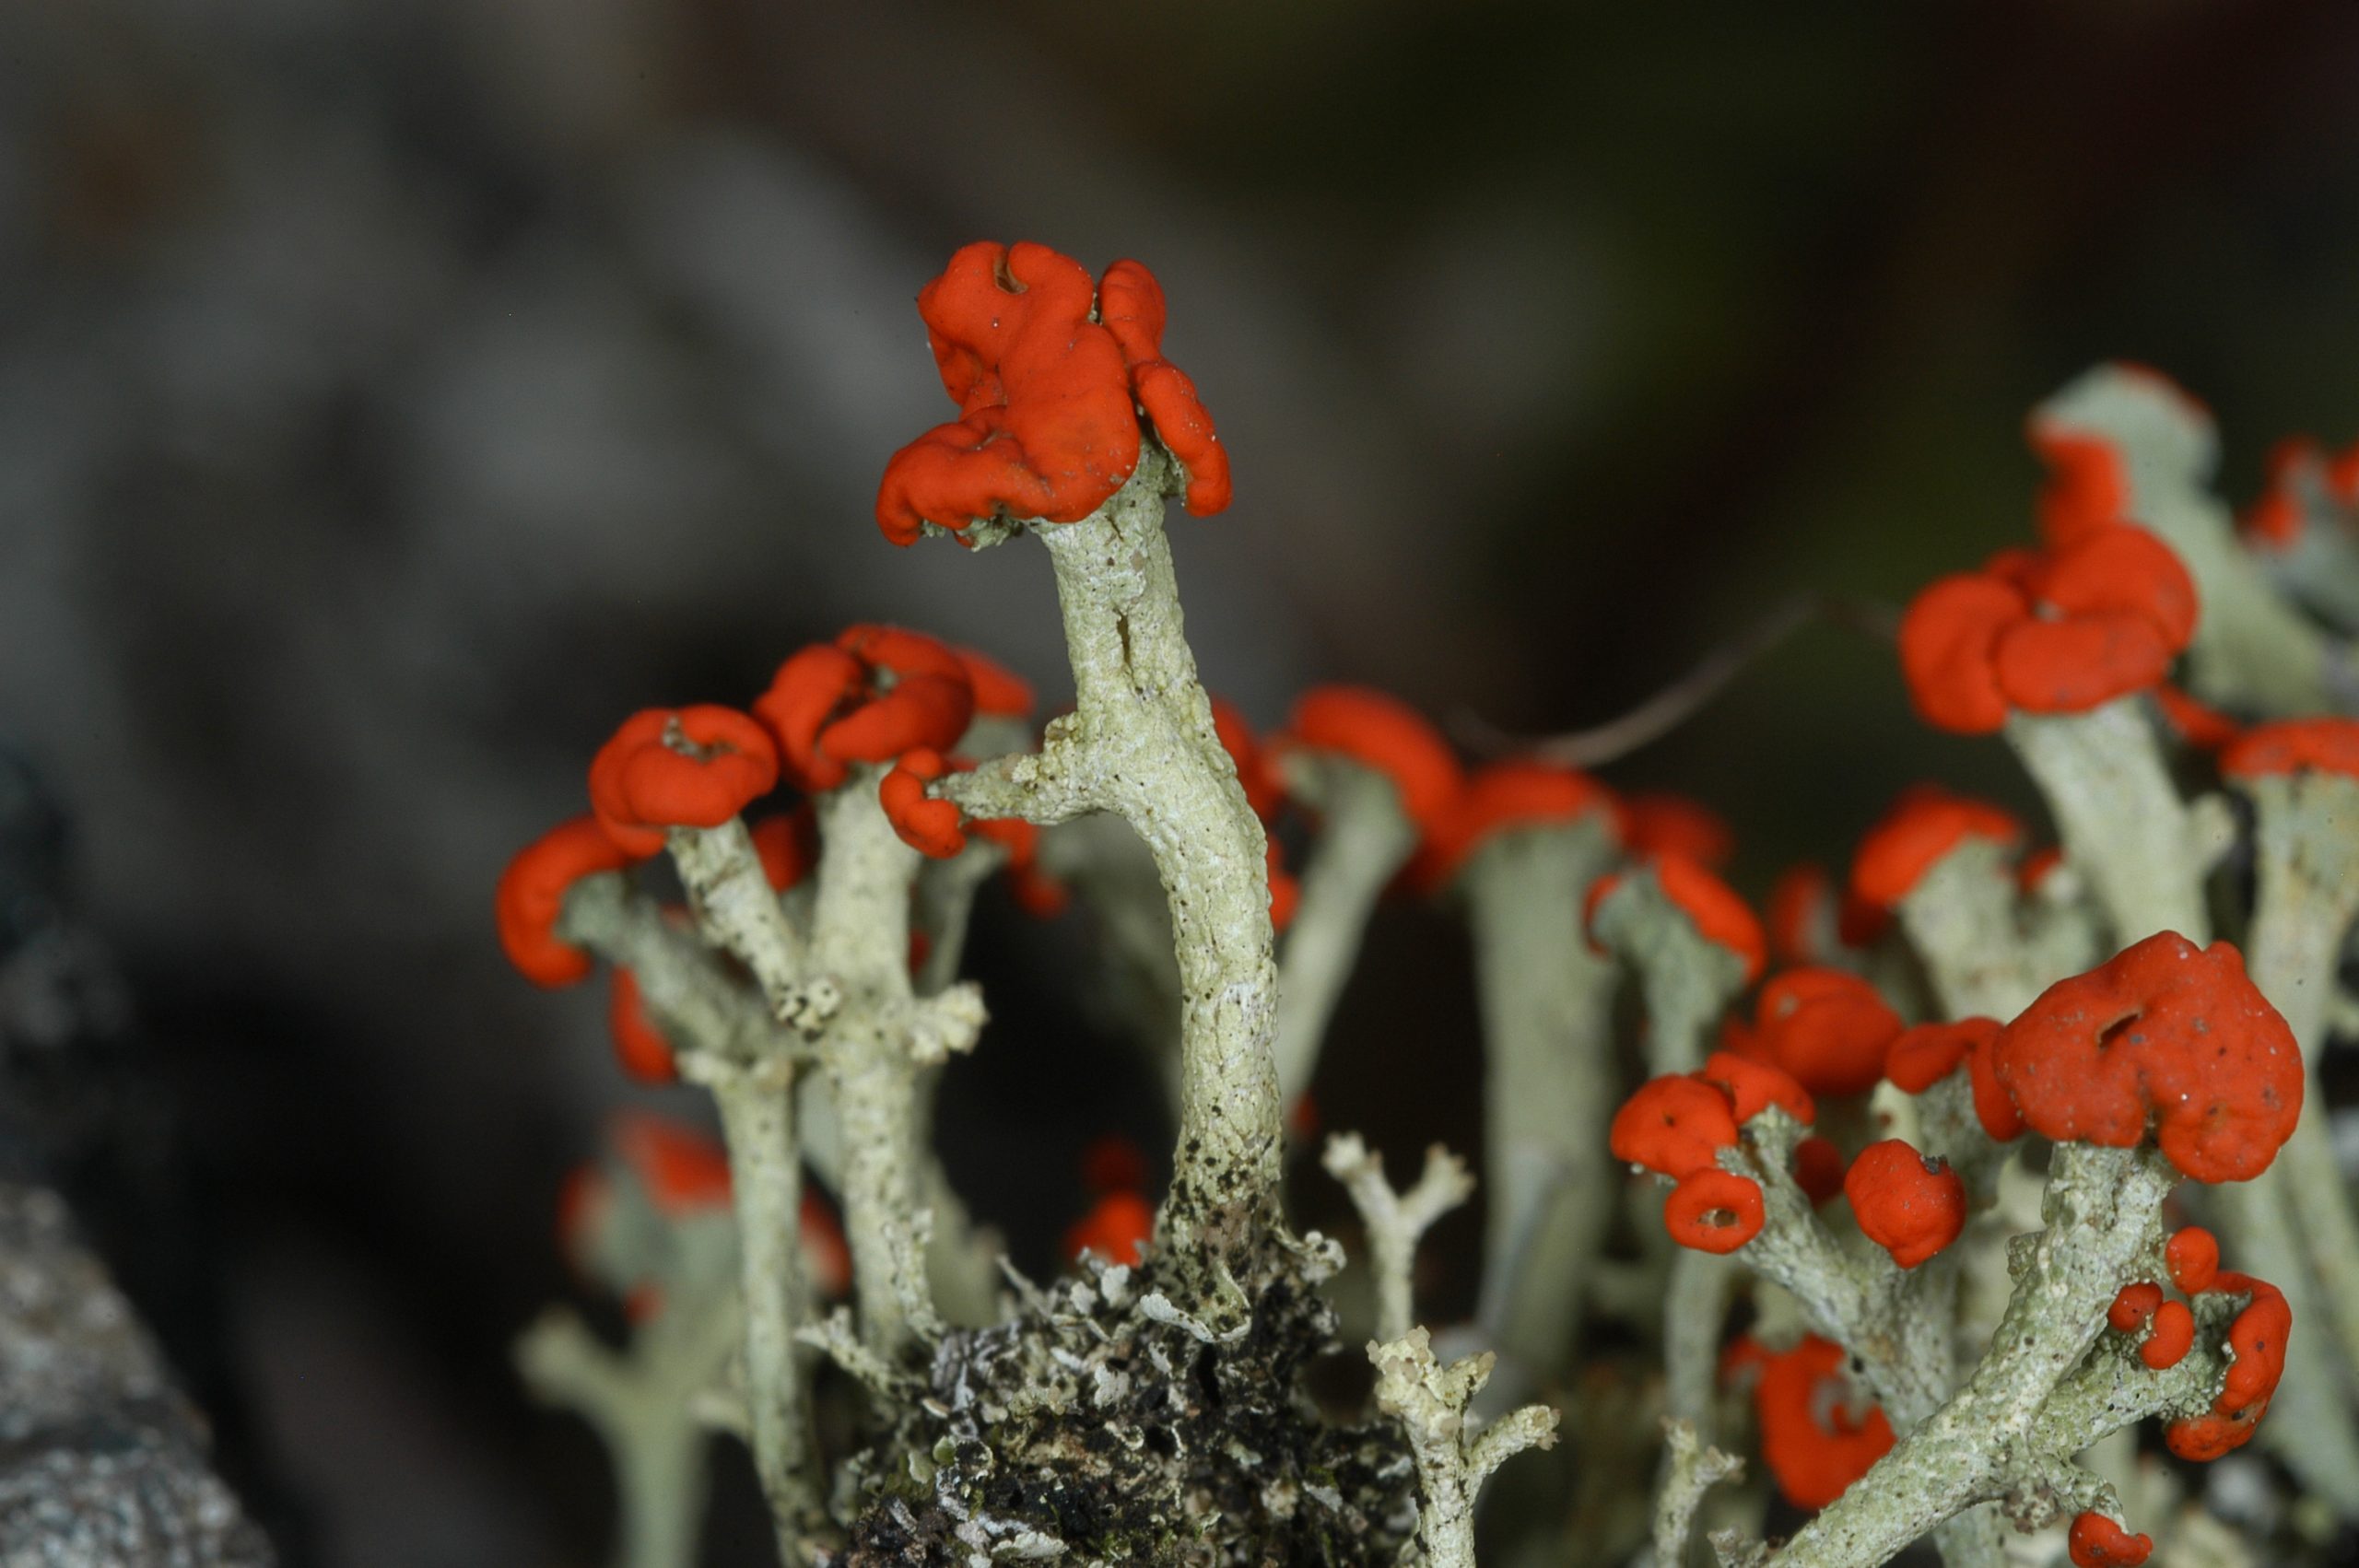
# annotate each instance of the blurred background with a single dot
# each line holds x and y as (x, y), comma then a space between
(393, 393)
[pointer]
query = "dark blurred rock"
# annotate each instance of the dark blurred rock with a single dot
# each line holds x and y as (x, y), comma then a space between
(102, 1464)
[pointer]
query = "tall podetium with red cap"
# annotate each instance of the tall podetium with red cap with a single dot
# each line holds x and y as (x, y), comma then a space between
(1950, 1033)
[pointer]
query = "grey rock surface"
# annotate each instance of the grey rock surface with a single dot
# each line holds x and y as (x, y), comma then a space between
(102, 1463)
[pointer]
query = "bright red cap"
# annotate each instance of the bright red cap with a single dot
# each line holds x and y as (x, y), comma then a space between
(1713, 1210)
(2094, 619)
(875, 692)
(532, 894)
(2172, 1335)
(2133, 1305)
(2295, 745)
(1717, 913)
(2193, 1257)
(999, 691)
(2088, 484)
(1047, 396)
(1505, 796)
(1658, 823)
(1813, 1444)
(1927, 1053)
(639, 1045)
(2096, 1541)
(1752, 1087)
(1672, 1125)
(641, 783)
(2169, 1034)
(788, 845)
(1917, 835)
(1818, 1169)
(2256, 1340)
(928, 825)
(1388, 736)
(1827, 1028)
(1909, 1205)
(1118, 1228)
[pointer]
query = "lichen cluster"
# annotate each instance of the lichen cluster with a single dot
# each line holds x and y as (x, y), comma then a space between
(1915, 1227)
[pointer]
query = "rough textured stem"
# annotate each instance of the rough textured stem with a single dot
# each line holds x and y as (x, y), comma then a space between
(1961, 918)
(1690, 1469)
(1549, 1082)
(1696, 1308)
(766, 1177)
(707, 1011)
(1688, 980)
(859, 938)
(2121, 822)
(643, 1404)
(1139, 743)
(1396, 1221)
(1453, 1457)
(2102, 1211)
(2306, 857)
(737, 910)
(1364, 839)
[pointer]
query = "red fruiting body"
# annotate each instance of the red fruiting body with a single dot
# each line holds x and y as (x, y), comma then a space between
(1752, 1087)
(2200, 726)
(788, 845)
(639, 1045)
(2096, 1541)
(2088, 485)
(1829, 1029)
(2171, 1337)
(878, 692)
(1383, 733)
(2295, 745)
(1927, 1053)
(2168, 1034)
(1507, 796)
(1910, 1206)
(1947, 640)
(639, 784)
(2193, 1257)
(682, 1169)
(2274, 519)
(1717, 913)
(532, 894)
(1813, 1442)
(1661, 824)
(2094, 619)
(2256, 1339)
(1118, 1228)
(928, 825)
(1047, 396)
(1713, 1210)
(1920, 830)
(1129, 302)
(1674, 1126)
(2133, 1305)
(1818, 1169)
(999, 691)
(1801, 902)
